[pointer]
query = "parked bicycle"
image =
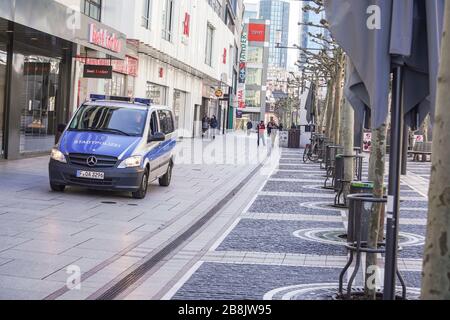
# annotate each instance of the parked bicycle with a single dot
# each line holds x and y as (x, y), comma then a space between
(314, 150)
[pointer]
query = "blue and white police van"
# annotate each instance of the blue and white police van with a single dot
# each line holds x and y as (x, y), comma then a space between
(115, 143)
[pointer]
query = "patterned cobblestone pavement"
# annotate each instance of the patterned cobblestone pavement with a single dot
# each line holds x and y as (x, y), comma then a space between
(289, 242)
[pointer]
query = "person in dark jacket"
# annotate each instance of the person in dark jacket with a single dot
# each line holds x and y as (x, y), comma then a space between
(249, 127)
(214, 124)
(205, 125)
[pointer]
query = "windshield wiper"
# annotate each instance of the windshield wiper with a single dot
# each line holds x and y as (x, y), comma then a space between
(110, 130)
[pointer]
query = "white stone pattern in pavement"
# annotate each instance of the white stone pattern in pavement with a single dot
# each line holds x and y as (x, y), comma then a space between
(289, 223)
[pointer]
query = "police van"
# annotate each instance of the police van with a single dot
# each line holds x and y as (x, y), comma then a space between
(115, 143)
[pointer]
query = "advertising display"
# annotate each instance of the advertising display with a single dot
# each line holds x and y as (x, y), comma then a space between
(256, 32)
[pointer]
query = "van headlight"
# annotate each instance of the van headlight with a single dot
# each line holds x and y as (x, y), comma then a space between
(131, 162)
(58, 156)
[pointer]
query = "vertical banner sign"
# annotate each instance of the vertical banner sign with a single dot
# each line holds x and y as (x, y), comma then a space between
(367, 142)
(242, 71)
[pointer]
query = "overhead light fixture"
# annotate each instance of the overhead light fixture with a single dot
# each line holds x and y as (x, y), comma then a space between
(34, 39)
(9, 31)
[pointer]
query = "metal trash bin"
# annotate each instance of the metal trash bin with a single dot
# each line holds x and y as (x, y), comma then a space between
(358, 208)
(294, 139)
(338, 172)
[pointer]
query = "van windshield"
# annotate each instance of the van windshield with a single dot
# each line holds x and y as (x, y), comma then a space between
(109, 119)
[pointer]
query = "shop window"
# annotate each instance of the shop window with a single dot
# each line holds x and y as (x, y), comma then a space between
(167, 20)
(254, 77)
(157, 93)
(146, 13)
(209, 44)
(92, 8)
(255, 55)
(166, 121)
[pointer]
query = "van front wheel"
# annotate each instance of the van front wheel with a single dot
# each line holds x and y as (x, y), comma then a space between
(142, 191)
(165, 180)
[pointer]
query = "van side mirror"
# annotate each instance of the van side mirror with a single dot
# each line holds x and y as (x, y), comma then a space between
(157, 137)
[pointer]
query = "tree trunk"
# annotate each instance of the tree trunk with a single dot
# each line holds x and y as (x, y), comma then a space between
(337, 98)
(376, 175)
(323, 115)
(436, 261)
(348, 143)
(329, 115)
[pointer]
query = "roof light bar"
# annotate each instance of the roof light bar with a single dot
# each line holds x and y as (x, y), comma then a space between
(96, 97)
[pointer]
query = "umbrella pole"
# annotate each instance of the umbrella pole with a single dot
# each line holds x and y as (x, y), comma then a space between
(405, 146)
(393, 206)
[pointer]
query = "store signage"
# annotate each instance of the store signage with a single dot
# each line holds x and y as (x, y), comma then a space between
(103, 38)
(243, 55)
(161, 72)
(186, 24)
(224, 57)
(129, 66)
(34, 68)
(239, 114)
(367, 142)
(241, 95)
(256, 32)
(97, 72)
(219, 93)
(242, 72)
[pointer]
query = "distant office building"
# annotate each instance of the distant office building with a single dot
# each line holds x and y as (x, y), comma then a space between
(253, 72)
(306, 41)
(251, 11)
(277, 12)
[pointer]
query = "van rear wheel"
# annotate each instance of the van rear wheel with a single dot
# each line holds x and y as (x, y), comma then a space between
(142, 192)
(165, 180)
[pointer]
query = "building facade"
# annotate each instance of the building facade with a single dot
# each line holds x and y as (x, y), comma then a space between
(178, 53)
(254, 60)
(277, 12)
(37, 68)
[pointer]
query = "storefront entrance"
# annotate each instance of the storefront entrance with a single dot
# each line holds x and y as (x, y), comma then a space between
(39, 100)
(179, 108)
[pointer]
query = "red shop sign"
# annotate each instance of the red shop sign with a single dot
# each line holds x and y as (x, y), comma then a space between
(256, 32)
(105, 39)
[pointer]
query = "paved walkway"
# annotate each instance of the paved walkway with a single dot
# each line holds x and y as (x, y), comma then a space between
(106, 235)
(284, 243)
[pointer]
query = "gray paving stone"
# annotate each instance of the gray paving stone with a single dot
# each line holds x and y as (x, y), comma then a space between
(277, 236)
(252, 282)
(290, 205)
(287, 186)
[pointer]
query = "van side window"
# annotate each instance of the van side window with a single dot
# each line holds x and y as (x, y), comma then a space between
(166, 121)
(153, 124)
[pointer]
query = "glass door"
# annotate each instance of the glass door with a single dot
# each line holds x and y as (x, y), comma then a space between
(3, 58)
(38, 120)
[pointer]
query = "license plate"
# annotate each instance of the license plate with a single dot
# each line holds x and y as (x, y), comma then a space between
(91, 175)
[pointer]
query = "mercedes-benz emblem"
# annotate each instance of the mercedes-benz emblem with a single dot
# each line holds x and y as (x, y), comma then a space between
(91, 161)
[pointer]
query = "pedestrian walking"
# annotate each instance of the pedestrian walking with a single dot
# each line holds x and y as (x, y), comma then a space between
(261, 132)
(205, 125)
(272, 130)
(214, 124)
(280, 127)
(249, 127)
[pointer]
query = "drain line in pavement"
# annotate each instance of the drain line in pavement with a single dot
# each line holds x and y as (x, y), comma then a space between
(141, 270)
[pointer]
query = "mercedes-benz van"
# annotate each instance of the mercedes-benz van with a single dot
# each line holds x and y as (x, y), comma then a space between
(115, 143)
